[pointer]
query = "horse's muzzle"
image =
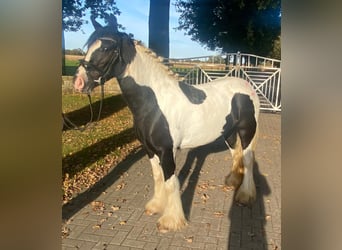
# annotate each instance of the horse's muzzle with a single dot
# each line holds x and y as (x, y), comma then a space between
(79, 83)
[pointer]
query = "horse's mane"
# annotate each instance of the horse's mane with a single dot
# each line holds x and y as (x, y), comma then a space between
(157, 59)
(109, 32)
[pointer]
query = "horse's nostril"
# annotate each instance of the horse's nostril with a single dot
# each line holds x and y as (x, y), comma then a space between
(79, 83)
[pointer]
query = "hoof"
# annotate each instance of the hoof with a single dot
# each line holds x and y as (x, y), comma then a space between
(153, 207)
(245, 198)
(233, 180)
(169, 223)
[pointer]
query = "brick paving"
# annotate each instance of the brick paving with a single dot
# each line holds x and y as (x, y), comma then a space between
(111, 215)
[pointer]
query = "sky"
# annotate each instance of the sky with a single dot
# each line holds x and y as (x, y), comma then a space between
(134, 17)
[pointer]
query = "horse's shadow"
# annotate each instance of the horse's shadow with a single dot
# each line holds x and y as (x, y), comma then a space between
(247, 224)
(197, 156)
(76, 162)
(81, 116)
(80, 201)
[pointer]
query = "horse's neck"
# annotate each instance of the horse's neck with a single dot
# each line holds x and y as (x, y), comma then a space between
(146, 70)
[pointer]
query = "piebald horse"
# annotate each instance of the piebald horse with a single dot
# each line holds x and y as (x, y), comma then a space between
(169, 115)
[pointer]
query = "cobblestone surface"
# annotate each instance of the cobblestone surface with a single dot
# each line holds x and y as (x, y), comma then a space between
(111, 215)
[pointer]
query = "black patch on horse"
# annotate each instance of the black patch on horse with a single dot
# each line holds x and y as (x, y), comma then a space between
(241, 120)
(150, 123)
(194, 95)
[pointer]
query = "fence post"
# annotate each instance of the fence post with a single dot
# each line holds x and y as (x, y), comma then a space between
(238, 58)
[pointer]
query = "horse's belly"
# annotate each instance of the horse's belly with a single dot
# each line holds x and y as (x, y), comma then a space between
(198, 140)
(201, 132)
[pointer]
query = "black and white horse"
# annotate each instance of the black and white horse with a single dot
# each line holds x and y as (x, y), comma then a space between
(169, 114)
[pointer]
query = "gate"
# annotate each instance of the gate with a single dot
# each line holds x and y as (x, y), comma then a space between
(264, 74)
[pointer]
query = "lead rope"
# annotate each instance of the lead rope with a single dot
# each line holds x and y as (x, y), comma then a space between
(70, 125)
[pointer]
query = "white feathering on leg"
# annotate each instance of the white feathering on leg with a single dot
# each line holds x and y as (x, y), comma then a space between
(173, 217)
(159, 199)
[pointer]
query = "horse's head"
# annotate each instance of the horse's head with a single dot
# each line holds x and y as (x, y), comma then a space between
(109, 52)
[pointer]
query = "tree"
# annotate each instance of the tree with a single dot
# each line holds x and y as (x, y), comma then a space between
(73, 12)
(158, 26)
(276, 50)
(232, 25)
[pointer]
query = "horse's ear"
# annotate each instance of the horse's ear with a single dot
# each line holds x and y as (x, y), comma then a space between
(112, 22)
(95, 23)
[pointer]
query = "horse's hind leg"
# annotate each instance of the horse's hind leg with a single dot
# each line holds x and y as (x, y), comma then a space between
(243, 123)
(246, 193)
(234, 178)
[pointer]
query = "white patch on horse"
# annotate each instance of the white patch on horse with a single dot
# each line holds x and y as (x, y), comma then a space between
(93, 47)
(81, 72)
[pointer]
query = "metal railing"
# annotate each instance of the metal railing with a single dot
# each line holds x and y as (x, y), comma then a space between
(263, 73)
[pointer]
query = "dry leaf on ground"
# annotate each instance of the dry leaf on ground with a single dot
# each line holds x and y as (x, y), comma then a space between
(218, 214)
(115, 208)
(98, 206)
(189, 239)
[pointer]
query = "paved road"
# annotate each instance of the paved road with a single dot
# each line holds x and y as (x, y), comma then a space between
(111, 215)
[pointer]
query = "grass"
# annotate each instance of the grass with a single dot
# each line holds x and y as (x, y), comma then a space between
(88, 155)
(71, 64)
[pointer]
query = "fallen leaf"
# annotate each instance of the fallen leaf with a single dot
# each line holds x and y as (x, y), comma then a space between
(189, 239)
(227, 189)
(120, 186)
(97, 226)
(203, 186)
(251, 234)
(115, 208)
(65, 232)
(97, 205)
(122, 222)
(218, 214)
(205, 197)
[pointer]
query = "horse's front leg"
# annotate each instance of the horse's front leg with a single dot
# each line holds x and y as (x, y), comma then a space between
(166, 199)
(158, 202)
(173, 217)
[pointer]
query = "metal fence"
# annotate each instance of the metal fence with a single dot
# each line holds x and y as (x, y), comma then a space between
(263, 73)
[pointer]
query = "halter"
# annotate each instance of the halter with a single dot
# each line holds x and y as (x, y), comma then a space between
(104, 73)
(101, 80)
